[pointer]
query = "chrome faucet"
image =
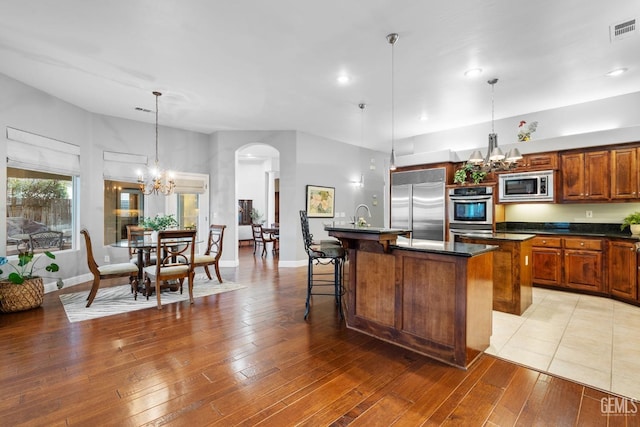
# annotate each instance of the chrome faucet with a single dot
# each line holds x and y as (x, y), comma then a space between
(355, 213)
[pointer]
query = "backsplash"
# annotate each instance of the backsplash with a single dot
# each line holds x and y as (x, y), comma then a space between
(612, 213)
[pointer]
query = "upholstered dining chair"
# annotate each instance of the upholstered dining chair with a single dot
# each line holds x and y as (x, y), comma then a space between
(321, 253)
(109, 271)
(175, 249)
(137, 233)
(213, 253)
(259, 239)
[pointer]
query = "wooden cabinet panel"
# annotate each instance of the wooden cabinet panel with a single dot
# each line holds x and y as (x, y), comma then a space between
(420, 316)
(624, 173)
(585, 176)
(539, 161)
(623, 269)
(583, 244)
(547, 266)
(572, 176)
(596, 175)
(512, 292)
(548, 242)
(376, 287)
(583, 270)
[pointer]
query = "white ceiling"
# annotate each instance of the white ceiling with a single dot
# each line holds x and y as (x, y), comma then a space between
(273, 64)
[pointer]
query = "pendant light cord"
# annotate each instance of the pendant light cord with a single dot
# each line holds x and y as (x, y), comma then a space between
(157, 94)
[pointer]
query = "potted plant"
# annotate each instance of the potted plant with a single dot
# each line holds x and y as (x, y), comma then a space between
(632, 221)
(159, 222)
(467, 171)
(23, 288)
(256, 216)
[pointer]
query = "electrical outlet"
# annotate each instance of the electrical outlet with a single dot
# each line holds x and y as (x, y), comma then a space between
(107, 258)
(589, 214)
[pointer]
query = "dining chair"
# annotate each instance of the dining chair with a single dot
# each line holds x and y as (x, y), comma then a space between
(259, 239)
(136, 233)
(109, 271)
(213, 253)
(325, 252)
(175, 249)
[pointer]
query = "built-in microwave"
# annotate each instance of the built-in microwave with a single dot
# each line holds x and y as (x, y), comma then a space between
(526, 187)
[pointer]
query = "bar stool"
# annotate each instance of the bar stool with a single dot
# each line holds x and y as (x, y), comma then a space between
(324, 253)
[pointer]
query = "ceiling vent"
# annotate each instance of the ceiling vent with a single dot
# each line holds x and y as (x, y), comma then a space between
(623, 29)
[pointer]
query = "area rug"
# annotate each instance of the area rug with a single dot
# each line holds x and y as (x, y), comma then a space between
(119, 299)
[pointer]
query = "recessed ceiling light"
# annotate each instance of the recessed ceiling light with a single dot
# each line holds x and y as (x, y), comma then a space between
(616, 72)
(424, 117)
(343, 79)
(474, 72)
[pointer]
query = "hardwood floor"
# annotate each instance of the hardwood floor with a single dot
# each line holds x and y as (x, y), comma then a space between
(248, 358)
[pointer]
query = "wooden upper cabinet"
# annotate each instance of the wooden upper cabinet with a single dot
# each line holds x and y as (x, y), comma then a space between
(596, 165)
(624, 173)
(584, 175)
(538, 161)
(572, 176)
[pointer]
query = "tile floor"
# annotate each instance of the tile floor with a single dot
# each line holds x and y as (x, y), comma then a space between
(591, 340)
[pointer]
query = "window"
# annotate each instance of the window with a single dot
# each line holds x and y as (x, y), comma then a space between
(188, 211)
(36, 202)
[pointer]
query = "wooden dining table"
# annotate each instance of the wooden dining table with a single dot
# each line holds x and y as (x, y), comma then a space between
(143, 248)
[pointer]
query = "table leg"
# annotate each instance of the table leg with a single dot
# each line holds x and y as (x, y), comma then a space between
(139, 282)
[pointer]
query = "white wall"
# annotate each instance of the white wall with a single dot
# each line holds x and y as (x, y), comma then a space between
(29, 109)
(602, 122)
(304, 160)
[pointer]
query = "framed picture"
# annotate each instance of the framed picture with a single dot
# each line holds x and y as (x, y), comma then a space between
(320, 201)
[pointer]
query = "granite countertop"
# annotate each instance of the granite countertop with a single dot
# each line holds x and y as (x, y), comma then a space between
(567, 228)
(444, 248)
(518, 237)
(366, 229)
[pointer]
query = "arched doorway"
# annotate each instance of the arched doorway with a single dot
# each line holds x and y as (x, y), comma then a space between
(257, 187)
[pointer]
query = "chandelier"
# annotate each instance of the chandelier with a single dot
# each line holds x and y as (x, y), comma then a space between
(495, 160)
(157, 181)
(392, 39)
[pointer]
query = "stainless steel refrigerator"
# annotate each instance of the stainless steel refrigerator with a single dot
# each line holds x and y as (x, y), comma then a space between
(417, 202)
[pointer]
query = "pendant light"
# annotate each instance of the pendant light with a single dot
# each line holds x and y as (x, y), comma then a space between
(157, 181)
(495, 159)
(392, 39)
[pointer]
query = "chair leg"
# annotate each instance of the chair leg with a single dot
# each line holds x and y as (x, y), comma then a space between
(338, 285)
(158, 293)
(206, 270)
(191, 279)
(218, 272)
(309, 286)
(94, 290)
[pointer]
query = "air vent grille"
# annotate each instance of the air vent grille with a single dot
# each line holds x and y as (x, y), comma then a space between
(623, 29)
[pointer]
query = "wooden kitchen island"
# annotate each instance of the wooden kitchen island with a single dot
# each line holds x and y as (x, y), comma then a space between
(434, 298)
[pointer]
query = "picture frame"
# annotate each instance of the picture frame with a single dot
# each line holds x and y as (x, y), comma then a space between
(320, 201)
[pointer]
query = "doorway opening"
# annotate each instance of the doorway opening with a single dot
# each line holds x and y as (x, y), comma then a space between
(257, 189)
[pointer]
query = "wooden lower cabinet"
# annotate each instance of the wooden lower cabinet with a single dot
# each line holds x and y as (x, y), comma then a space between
(512, 289)
(546, 261)
(573, 263)
(583, 270)
(623, 269)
